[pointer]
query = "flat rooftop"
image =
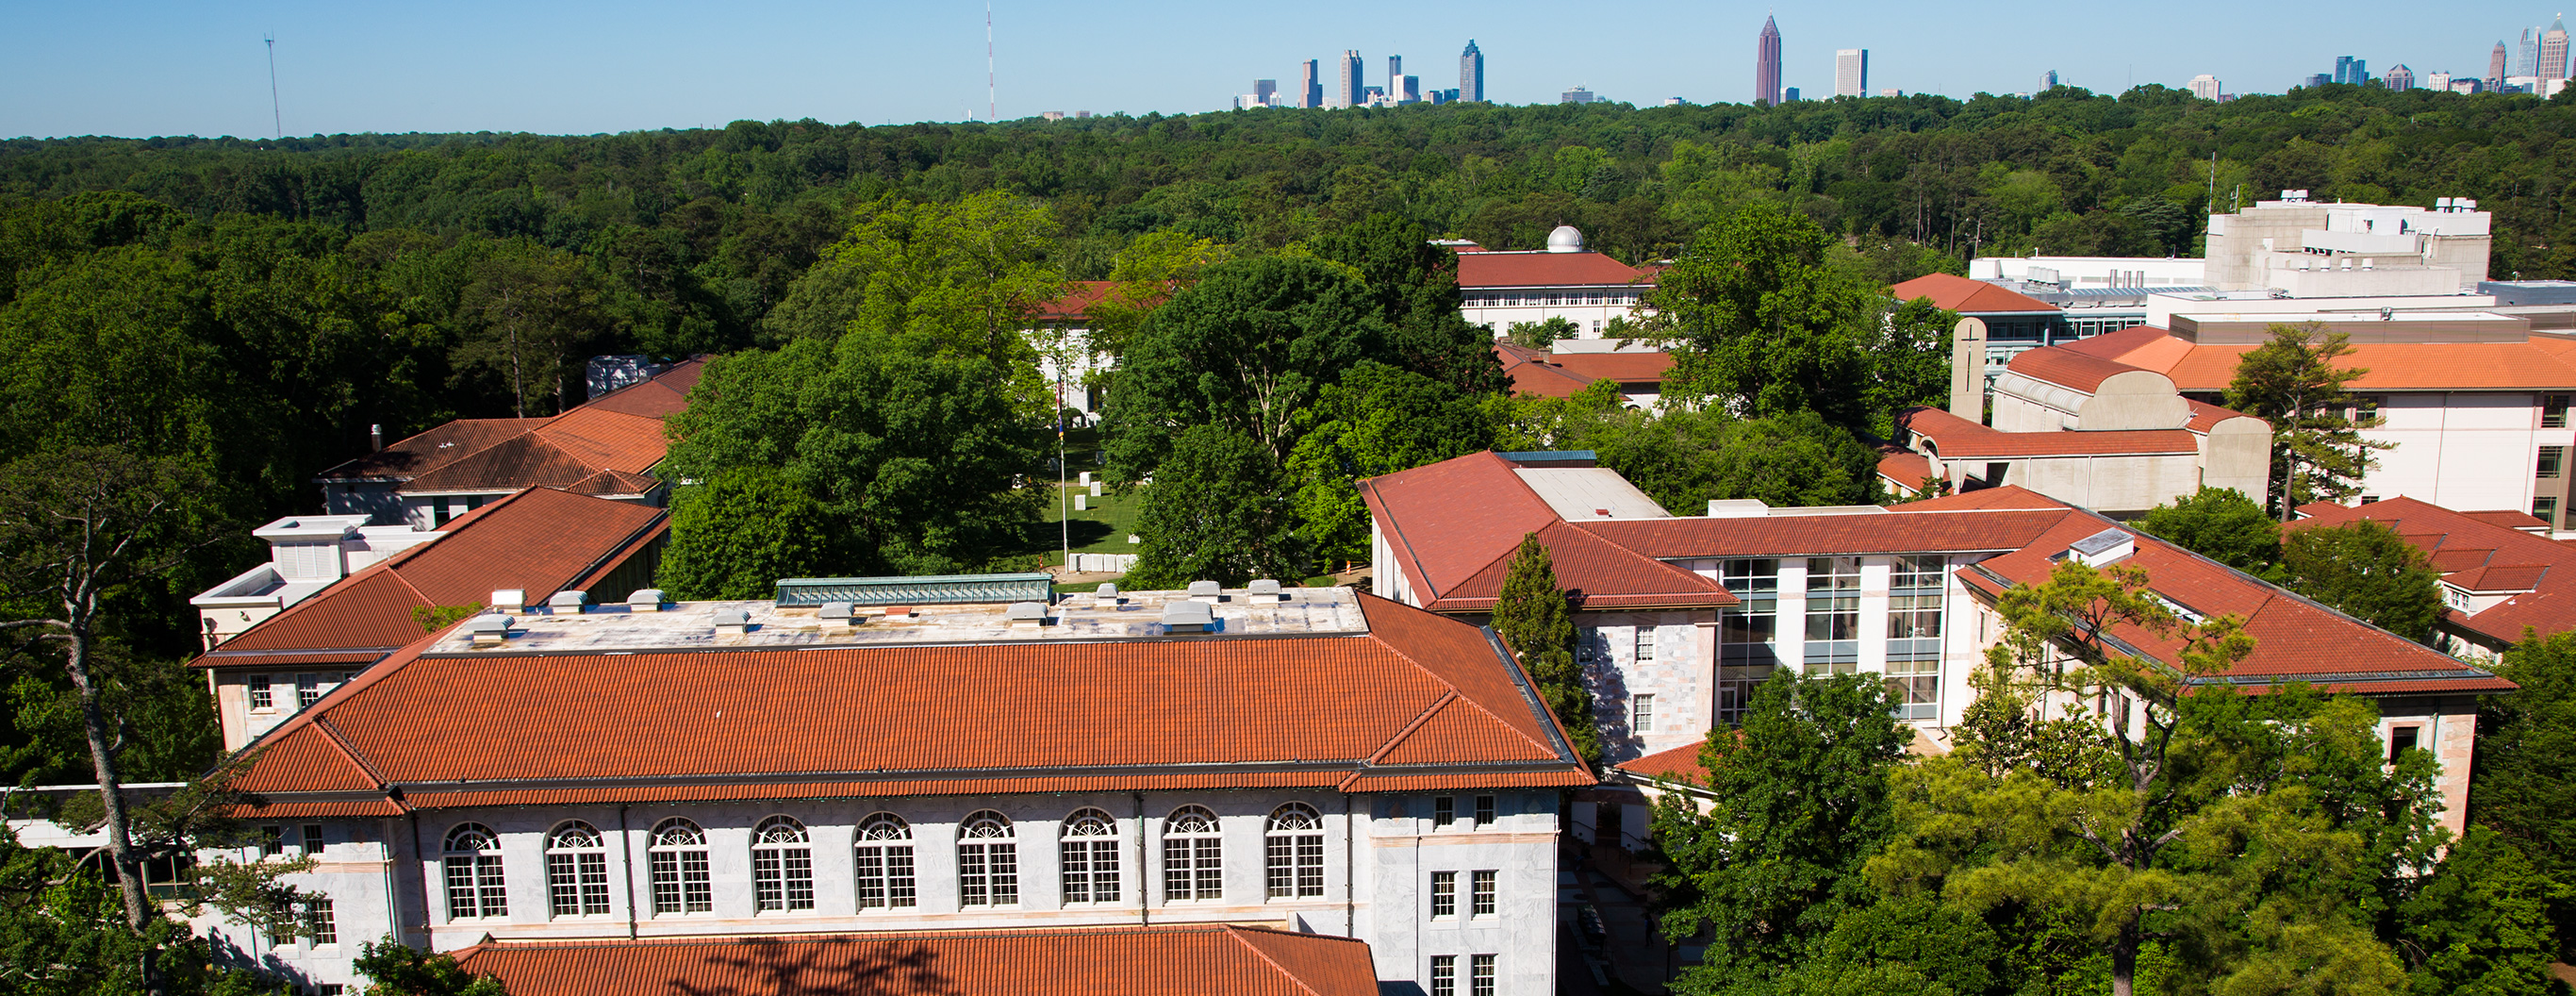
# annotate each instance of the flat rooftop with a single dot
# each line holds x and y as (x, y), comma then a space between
(691, 626)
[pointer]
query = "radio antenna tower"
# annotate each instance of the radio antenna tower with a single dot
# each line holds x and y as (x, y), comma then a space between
(988, 60)
(275, 116)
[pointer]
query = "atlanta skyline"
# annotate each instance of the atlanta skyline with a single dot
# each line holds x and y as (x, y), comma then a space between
(161, 67)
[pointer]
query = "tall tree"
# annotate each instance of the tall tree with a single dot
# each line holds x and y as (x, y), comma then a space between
(735, 534)
(1378, 420)
(2526, 766)
(2318, 452)
(1218, 510)
(78, 529)
(2367, 571)
(1764, 326)
(1415, 287)
(1801, 792)
(532, 310)
(2479, 925)
(1144, 276)
(2222, 524)
(1254, 342)
(1536, 619)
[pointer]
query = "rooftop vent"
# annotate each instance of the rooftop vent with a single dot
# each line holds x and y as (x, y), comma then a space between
(2103, 547)
(1737, 508)
(488, 629)
(509, 600)
(1190, 617)
(645, 600)
(569, 602)
(838, 614)
(734, 622)
(1206, 591)
(1107, 595)
(1267, 590)
(1027, 613)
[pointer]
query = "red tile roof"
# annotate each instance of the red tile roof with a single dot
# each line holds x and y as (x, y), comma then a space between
(2206, 416)
(1530, 373)
(2010, 496)
(619, 432)
(1969, 297)
(1905, 468)
(2508, 518)
(539, 541)
(1417, 696)
(1900, 530)
(1679, 764)
(1956, 437)
(1599, 573)
(1546, 269)
(2064, 366)
(1176, 960)
(2385, 366)
(2477, 554)
(1079, 297)
(1559, 375)
(1445, 522)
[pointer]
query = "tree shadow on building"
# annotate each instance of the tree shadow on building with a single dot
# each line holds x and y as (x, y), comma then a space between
(807, 968)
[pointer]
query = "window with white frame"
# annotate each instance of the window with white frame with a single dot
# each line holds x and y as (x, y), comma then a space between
(1480, 975)
(1444, 975)
(1444, 894)
(1833, 615)
(1645, 646)
(262, 696)
(782, 866)
(576, 871)
(321, 926)
(472, 860)
(988, 861)
(1090, 857)
(1193, 856)
(678, 855)
(1641, 713)
(1481, 898)
(1294, 852)
(308, 690)
(883, 859)
(1915, 609)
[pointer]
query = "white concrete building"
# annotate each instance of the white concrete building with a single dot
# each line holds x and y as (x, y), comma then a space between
(1500, 289)
(2312, 249)
(1314, 759)
(306, 554)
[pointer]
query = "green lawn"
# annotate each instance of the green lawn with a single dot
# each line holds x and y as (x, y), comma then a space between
(1103, 528)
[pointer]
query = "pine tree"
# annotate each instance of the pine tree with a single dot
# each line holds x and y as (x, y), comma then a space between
(1535, 619)
(2292, 382)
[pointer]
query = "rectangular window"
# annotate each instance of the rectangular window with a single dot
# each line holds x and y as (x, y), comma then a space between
(312, 839)
(1914, 617)
(261, 697)
(1483, 896)
(782, 878)
(1484, 810)
(330, 989)
(2402, 739)
(2545, 509)
(2553, 411)
(1642, 709)
(320, 926)
(2553, 463)
(272, 841)
(1444, 811)
(1756, 586)
(988, 874)
(885, 876)
(1645, 644)
(577, 883)
(680, 882)
(1444, 975)
(1833, 615)
(1444, 894)
(308, 690)
(1480, 975)
(1914, 684)
(1091, 870)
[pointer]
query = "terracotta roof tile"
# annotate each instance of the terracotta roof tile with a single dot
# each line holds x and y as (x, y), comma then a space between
(1545, 269)
(433, 449)
(1956, 437)
(1599, 572)
(2010, 496)
(1451, 519)
(1969, 297)
(661, 397)
(1529, 375)
(1929, 531)
(1460, 731)
(2481, 555)
(1680, 764)
(1079, 297)
(2508, 518)
(2386, 366)
(1905, 468)
(1177, 960)
(2206, 416)
(2064, 366)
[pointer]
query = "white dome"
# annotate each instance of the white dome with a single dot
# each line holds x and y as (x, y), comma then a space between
(1566, 238)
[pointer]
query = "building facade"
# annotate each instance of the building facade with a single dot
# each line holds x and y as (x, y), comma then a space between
(1498, 289)
(1471, 73)
(1766, 63)
(765, 769)
(1851, 72)
(1348, 77)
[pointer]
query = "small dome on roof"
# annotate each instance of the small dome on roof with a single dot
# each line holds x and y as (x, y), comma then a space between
(1566, 238)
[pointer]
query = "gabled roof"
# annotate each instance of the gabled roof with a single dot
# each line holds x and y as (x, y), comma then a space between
(1930, 530)
(2385, 366)
(2064, 366)
(1600, 574)
(1531, 373)
(2476, 554)
(1456, 525)
(2206, 416)
(1951, 292)
(1546, 269)
(1678, 764)
(538, 541)
(1956, 437)
(619, 432)
(1176, 960)
(1417, 696)
(1079, 297)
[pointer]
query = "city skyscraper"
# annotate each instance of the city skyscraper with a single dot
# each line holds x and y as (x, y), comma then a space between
(1766, 64)
(2399, 78)
(2495, 66)
(1851, 72)
(2048, 81)
(1263, 91)
(2205, 86)
(1312, 95)
(2526, 53)
(2553, 51)
(1395, 79)
(1471, 73)
(1349, 74)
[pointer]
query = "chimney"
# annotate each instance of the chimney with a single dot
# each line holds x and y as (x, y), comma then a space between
(376, 438)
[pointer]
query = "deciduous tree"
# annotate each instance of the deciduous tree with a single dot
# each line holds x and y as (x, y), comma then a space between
(1378, 420)
(2369, 572)
(2221, 524)
(1218, 510)
(2526, 765)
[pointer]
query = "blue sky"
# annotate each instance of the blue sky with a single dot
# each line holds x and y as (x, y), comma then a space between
(169, 68)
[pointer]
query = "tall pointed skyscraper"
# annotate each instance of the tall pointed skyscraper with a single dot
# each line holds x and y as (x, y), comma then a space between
(2553, 51)
(1766, 64)
(1471, 73)
(2495, 67)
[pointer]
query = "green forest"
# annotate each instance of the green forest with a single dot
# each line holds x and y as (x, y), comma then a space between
(191, 328)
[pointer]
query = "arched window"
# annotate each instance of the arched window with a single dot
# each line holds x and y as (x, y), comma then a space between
(576, 871)
(1193, 855)
(782, 866)
(988, 862)
(884, 856)
(473, 860)
(679, 854)
(1090, 857)
(1293, 850)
